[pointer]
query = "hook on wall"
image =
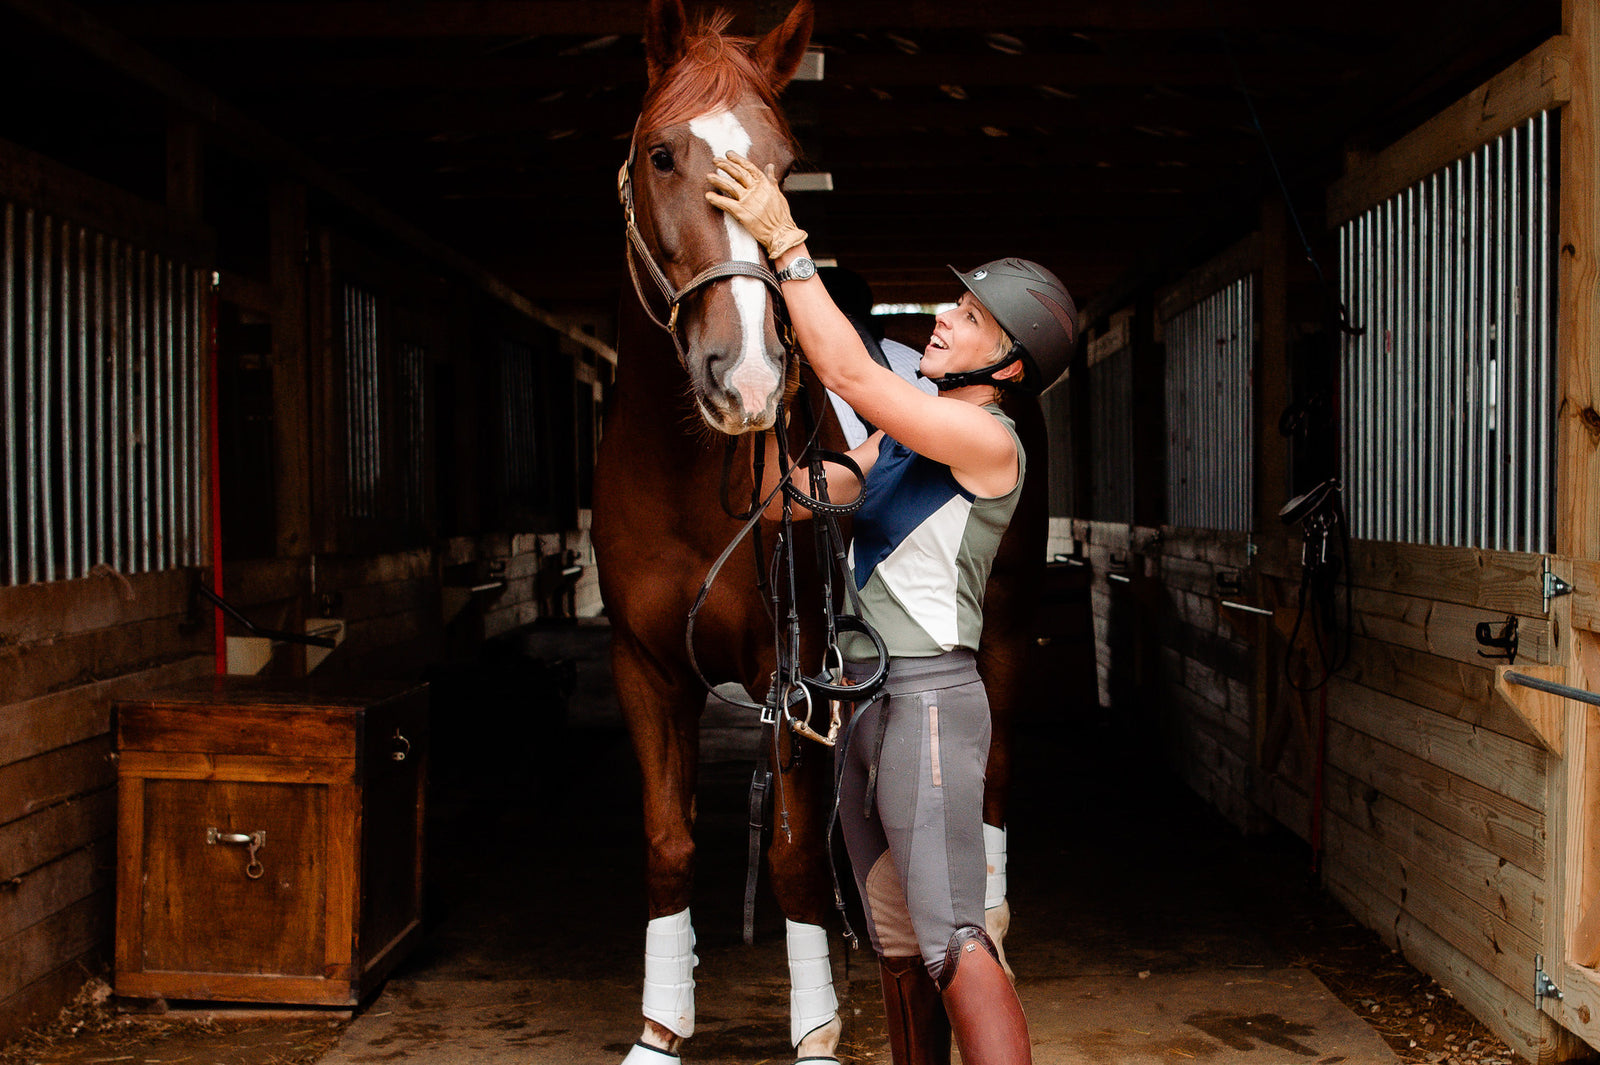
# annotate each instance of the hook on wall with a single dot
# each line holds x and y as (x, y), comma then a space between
(1505, 643)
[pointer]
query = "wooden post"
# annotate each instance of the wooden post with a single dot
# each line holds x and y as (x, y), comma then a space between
(1577, 528)
(1272, 372)
(1149, 417)
(290, 404)
(185, 165)
(323, 352)
(1578, 465)
(1082, 456)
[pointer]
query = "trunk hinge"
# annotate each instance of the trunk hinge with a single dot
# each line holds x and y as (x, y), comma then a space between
(1553, 586)
(1543, 986)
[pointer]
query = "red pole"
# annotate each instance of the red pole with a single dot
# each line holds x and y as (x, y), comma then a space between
(214, 468)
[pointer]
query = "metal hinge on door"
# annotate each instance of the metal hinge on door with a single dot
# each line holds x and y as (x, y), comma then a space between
(1543, 986)
(1553, 586)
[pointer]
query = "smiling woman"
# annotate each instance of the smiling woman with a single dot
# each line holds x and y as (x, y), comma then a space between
(939, 482)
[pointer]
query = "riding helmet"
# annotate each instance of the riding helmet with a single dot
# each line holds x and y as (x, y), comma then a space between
(1035, 309)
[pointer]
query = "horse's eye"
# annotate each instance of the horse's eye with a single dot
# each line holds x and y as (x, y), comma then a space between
(661, 159)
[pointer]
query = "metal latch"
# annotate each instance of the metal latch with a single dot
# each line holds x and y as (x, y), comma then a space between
(1543, 986)
(253, 840)
(1553, 586)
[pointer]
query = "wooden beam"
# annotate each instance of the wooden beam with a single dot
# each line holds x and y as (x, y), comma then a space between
(1239, 259)
(1504, 582)
(288, 235)
(265, 68)
(1271, 449)
(255, 142)
(185, 166)
(525, 18)
(1512, 830)
(1578, 294)
(245, 292)
(1571, 879)
(1543, 713)
(860, 114)
(920, 192)
(47, 611)
(49, 722)
(47, 185)
(894, 154)
(1537, 82)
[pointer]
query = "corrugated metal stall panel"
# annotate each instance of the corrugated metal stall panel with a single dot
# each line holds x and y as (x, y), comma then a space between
(1449, 396)
(1436, 792)
(101, 402)
(104, 304)
(1210, 410)
(1111, 437)
(1057, 407)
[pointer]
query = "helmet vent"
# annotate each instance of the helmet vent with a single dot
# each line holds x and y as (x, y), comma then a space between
(1060, 313)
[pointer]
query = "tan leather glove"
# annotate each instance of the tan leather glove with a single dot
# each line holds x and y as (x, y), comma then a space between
(754, 198)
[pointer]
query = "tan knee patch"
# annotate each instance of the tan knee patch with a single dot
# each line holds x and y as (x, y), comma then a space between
(890, 914)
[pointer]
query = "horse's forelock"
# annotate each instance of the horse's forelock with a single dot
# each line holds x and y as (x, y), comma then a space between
(715, 71)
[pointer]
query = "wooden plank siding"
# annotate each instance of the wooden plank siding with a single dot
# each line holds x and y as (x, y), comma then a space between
(67, 651)
(1435, 793)
(1449, 820)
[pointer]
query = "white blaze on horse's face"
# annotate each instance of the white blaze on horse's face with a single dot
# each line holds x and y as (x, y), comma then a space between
(755, 377)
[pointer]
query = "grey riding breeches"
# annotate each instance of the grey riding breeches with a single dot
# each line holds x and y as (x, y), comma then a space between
(916, 841)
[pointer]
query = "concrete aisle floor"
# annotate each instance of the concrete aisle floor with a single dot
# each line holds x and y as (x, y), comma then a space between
(1143, 927)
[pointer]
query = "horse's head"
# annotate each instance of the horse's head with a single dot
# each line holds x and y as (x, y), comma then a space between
(710, 93)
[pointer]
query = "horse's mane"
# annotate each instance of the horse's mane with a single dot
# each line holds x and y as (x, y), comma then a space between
(715, 71)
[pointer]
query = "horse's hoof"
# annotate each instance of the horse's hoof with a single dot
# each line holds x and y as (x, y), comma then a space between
(645, 1054)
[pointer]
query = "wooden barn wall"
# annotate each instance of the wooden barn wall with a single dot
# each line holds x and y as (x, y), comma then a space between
(1434, 823)
(1455, 816)
(70, 648)
(1434, 813)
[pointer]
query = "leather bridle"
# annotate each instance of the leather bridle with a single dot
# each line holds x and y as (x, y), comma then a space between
(638, 252)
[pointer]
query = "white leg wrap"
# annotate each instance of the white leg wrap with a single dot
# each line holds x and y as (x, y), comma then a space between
(994, 849)
(669, 963)
(812, 1002)
(643, 1055)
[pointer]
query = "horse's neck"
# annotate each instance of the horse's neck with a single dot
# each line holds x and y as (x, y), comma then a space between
(650, 399)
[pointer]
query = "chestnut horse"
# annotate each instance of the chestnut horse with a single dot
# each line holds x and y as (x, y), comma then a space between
(705, 363)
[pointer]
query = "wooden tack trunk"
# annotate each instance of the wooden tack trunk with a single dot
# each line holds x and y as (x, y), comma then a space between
(269, 839)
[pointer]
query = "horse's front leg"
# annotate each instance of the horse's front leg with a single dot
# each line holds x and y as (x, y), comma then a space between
(798, 859)
(663, 719)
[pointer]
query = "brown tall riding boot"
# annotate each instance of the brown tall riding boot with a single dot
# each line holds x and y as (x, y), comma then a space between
(919, 1031)
(983, 1007)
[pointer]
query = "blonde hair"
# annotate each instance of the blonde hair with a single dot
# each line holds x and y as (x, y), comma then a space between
(1002, 350)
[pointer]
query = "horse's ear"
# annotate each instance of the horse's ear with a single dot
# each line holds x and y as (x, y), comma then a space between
(779, 53)
(663, 36)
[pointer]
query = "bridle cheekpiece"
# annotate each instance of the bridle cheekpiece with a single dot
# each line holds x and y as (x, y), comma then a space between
(638, 252)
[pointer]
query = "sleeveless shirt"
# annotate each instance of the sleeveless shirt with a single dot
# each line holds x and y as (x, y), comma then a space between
(922, 549)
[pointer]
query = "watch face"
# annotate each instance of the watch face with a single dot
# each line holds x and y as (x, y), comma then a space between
(801, 269)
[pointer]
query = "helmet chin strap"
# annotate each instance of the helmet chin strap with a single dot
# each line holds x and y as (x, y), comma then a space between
(985, 376)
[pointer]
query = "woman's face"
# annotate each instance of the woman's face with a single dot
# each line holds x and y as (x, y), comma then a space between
(964, 338)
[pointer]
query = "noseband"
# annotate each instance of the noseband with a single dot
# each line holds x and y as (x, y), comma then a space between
(638, 252)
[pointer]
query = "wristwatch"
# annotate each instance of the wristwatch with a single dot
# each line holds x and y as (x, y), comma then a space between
(798, 270)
